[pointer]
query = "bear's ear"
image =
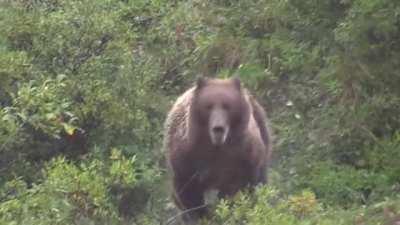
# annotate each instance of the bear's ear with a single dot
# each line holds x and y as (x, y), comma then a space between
(236, 81)
(201, 82)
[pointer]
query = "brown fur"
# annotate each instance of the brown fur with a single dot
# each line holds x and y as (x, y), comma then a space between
(198, 165)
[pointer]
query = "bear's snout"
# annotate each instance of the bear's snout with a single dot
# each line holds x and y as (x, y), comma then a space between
(218, 126)
(218, 135)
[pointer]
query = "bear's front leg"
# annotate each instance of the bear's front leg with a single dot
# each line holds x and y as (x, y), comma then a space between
(260, 177)
(189, 197)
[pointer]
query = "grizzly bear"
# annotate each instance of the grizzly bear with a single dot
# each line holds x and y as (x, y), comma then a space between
(216, 138)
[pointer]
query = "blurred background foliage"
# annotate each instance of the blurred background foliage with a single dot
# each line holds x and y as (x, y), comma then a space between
(85, 87)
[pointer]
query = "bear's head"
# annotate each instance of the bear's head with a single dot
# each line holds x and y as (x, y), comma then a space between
(219, 109)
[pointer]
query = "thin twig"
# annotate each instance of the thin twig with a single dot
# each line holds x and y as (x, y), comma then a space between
(174, 218)
(188, 182)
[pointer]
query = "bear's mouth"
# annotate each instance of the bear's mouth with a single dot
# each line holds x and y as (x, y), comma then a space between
(218, 138)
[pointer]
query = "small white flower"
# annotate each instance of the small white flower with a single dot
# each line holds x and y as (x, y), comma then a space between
(289, 103)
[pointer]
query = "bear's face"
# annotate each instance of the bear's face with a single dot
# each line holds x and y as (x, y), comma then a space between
(219, 108)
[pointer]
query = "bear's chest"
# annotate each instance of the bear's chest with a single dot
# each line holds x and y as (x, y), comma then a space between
(219, 170)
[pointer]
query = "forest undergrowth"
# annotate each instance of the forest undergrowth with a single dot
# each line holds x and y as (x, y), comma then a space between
(85, 87)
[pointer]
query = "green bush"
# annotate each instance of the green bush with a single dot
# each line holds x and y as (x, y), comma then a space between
(267, 206)
(79, 79)
(89, 193)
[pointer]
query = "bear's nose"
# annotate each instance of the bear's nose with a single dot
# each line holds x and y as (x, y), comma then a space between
(218, 129)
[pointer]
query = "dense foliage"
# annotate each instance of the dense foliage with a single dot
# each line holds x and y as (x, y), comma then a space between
(85, 87)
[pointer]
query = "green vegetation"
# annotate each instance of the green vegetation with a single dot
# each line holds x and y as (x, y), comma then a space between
(85, 87)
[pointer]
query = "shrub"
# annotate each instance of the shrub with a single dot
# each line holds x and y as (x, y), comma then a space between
(88, 193)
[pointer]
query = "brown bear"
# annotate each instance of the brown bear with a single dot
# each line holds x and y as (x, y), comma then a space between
(216, 138)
